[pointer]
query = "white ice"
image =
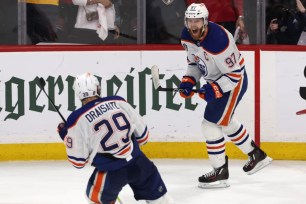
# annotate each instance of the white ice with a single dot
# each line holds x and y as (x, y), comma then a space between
(57, 182)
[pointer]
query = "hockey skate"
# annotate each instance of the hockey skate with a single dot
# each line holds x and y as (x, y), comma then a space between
(258, 159)
(217, 178)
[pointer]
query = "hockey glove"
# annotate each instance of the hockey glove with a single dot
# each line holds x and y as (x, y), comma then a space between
(62, 130)
(210, 92)
(187, 84)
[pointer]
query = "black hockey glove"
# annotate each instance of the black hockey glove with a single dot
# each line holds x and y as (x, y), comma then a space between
(62, 130)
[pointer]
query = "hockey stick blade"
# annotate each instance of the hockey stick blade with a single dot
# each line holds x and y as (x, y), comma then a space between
(301, 112)
(155, 77)
(156, 82)
(119, 200)
(42, 84)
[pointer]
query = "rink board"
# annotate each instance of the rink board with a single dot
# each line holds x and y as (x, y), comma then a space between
(123, 73)
(186, 150)
(28, 123)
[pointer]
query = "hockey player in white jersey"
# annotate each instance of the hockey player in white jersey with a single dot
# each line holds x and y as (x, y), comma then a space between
(213, 55)
(106, 133)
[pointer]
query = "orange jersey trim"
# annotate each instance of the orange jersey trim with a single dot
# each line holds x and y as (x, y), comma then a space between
(241, 61)
(144, 139)
(78, 164)
(97, 186)
(125, 150)
(226, 119)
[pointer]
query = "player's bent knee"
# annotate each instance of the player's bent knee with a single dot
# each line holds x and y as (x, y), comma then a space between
(211, 131)
(232, 127)
(165, 199)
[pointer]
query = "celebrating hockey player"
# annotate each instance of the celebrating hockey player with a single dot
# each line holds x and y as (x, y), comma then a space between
(213, 55)
(106, 133)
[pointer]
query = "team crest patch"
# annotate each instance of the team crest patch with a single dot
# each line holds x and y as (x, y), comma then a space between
(201, 65)
(168, 2)
(185, 46)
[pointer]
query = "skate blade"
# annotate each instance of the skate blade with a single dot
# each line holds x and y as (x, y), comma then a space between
(262, 164)
(216, 184)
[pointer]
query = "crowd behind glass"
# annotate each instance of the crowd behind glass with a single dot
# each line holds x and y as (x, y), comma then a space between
(32, 22)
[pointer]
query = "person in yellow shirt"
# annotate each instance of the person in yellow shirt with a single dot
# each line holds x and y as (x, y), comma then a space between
(42, 16)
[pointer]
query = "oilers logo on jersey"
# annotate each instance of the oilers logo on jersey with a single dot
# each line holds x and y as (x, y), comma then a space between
(185, 46)
(201, 65)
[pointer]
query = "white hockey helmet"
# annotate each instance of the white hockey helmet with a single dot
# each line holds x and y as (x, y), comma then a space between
(197, 11)
(86, 85)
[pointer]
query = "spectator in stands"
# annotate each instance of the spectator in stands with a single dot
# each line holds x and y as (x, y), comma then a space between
(164, 20)
(290, 4)
(286, 25)
(95, 19)
(228, 13)
(42, 16)
(126, 16)
(66, 21)
(301, 7)
(8, 22)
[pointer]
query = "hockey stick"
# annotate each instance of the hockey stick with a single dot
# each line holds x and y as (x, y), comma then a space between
(123, 35)
(156, 83)
(42, 84)
(301, 112)
(119, 200)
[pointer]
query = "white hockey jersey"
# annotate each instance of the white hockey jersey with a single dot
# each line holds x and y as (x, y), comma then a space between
(105, 133)
(216, 58)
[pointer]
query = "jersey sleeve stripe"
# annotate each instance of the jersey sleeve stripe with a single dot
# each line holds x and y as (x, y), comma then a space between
(77, 159)
(124, 151)
(230, 80)
(234, 75)
(241, 61)
(77, 162)
(144, 134)
(233, 79)
(144, 140)
(238, 70)
(77, 165)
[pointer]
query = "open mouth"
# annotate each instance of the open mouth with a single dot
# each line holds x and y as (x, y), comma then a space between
(195, 31)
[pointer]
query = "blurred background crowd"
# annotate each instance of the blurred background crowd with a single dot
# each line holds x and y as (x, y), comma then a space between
(34, 22)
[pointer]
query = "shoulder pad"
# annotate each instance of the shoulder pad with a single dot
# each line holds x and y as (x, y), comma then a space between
(216, 40)
(112, 98)
(185, 36)
(75, 115)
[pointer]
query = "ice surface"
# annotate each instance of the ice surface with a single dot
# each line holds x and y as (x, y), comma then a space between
(57, 182)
